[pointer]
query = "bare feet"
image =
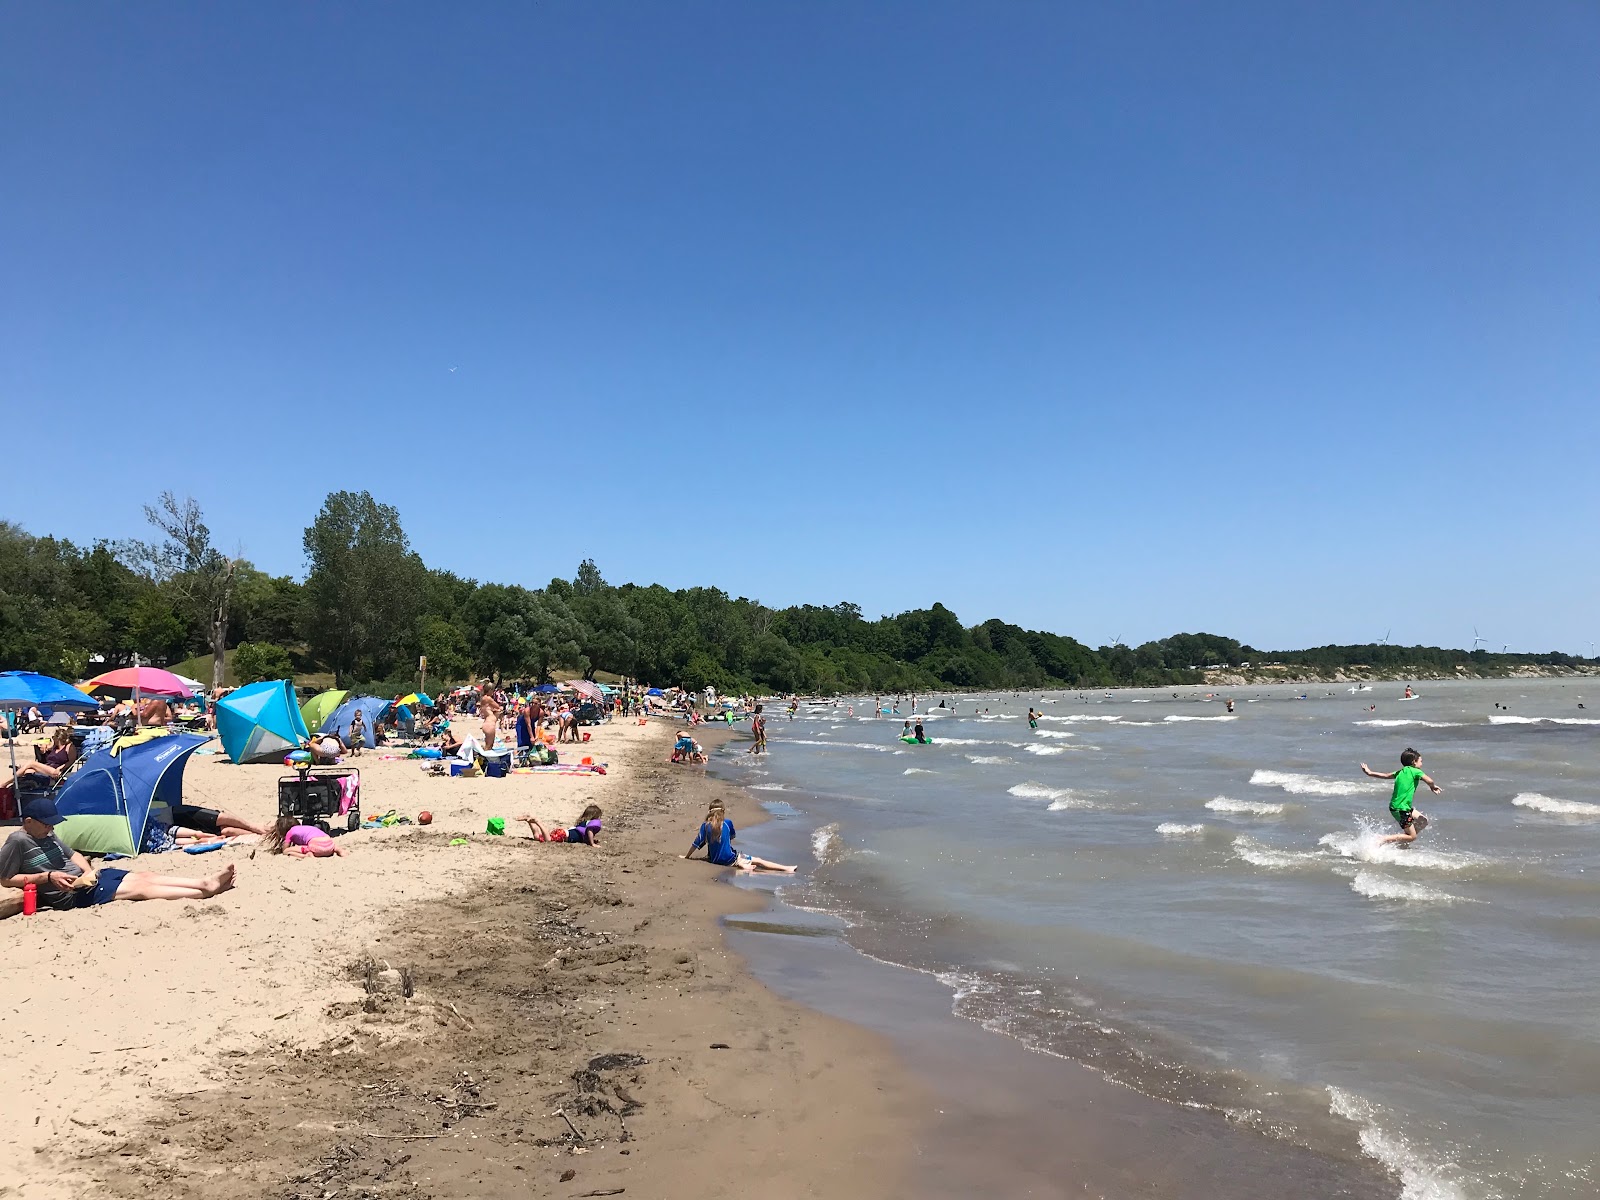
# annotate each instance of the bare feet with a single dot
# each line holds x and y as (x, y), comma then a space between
(221, 882)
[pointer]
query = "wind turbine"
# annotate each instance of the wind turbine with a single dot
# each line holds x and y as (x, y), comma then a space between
(1384, 640)
(1504, 648)
(1476, 640)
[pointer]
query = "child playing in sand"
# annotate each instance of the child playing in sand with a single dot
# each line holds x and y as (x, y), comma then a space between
(302, 841)
(717, 834)
(587, 830)
(1405, 787)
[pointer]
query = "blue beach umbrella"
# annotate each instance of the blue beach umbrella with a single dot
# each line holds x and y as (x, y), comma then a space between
(20, 690)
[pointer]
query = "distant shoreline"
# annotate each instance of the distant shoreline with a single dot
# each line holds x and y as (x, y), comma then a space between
(1296, 673)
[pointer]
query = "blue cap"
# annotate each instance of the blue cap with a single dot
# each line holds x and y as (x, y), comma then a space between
(42, 809)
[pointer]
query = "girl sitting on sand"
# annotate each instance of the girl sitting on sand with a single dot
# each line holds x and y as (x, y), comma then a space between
(717, 834)
(302, 841)
(587, 830)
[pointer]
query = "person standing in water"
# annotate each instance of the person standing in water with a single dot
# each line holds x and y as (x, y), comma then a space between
(1405, 779)
(1033, 718)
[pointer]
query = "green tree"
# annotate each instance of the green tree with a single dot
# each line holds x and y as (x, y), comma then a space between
(364, 587)
(199, 577)
(255, 661)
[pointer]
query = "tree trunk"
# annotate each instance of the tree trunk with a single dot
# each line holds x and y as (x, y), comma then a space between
(219, 650)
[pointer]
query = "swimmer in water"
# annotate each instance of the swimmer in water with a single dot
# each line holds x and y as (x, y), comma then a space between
(1405, 779)
(1033, 719)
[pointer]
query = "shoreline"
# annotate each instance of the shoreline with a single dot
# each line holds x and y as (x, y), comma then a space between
(565, 1007)
(566, 1004)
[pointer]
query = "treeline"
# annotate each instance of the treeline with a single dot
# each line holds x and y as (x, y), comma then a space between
(369, 609)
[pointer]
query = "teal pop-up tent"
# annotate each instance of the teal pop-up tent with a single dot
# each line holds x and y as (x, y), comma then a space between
(107, 803)
(260, 722)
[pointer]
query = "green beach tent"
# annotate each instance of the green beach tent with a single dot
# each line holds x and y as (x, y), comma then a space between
(259, 722)
(320, 707)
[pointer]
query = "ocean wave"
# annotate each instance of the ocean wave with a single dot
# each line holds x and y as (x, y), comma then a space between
(1549, 804)
(1543, 721)
(916, 771)
(1082, 717)
(836, 745)
(1060, 798)
(1055, 733)
(1259, 854)
(1419, 1178)
(1046, 749)
(949, 741)
(768, 787)
(1070, 800)
(827, 846)
(1170, 717)
(1173, 829)
(988, 760)
(1037, 791)
(1308, 785)
(1366, 845)
(1255, 808)
(1375, 886)
(1396, 724)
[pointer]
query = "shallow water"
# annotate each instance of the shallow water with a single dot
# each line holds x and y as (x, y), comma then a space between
(1201, 908)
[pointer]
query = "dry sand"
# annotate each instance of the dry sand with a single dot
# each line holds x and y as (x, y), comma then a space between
(565, 1033)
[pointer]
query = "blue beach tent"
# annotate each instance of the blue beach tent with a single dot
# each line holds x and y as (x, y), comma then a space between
(372, 708)
(260, 722)
(109, 802)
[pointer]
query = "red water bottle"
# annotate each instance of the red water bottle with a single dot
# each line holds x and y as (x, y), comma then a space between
(30, 899)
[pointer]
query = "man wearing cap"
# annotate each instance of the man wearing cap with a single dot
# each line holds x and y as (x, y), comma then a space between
(64, 879)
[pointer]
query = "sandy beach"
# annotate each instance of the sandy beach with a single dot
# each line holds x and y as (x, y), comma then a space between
(574, 1023)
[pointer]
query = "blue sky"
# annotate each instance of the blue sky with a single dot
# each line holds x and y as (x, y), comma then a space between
(1280, 321)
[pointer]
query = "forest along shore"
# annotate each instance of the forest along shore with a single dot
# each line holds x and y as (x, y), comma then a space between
(573, 1026)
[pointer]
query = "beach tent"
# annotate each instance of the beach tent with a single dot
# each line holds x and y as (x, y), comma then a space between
(109, 802)
(320, 707)
(259, 722)
(372, 708)
(545, 689)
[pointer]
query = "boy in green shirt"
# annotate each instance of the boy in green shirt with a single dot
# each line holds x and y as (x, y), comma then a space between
(1405, 787)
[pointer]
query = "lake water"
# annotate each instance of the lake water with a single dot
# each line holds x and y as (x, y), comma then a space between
(1197, 903)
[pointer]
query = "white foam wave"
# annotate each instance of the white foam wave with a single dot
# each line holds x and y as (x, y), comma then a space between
(1543, 721)
(987, 760)
(826, 844)
(1055, 733)
(916, 771)
(1308, 785)
(836, 745)
(1170, 717)
(1037, 791)
(1396, 724)
(1375, 886)
(1173, 829)
(1081, 717)
(1366, 845)
(768, 787)
(1060, 798)
(1068, 801)
(1258, 854)
(1419, 1178)
(1549, 804)
(1047, 749)
(1255, 808)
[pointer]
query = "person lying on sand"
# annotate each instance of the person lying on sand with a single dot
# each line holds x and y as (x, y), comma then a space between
(211, 823)
(302, 841)
(717, 834)
(587, 830)
(65, 880)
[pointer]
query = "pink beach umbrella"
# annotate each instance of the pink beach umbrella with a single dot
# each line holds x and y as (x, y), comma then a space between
(149, 681)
